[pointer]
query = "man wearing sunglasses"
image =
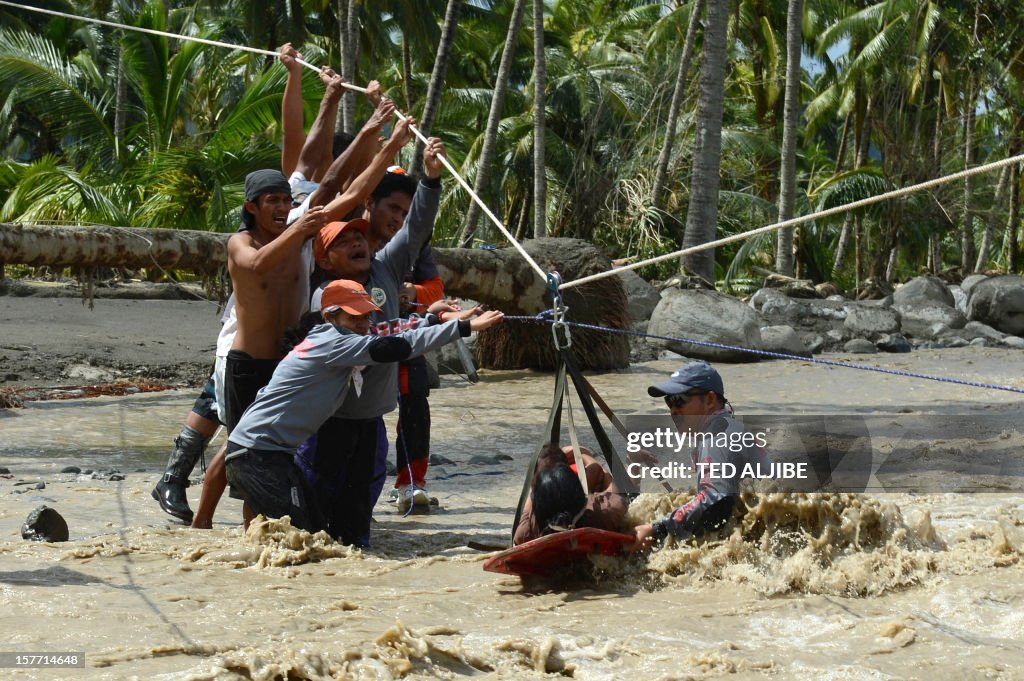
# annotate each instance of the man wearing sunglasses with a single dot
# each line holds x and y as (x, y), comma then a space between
(695, 396)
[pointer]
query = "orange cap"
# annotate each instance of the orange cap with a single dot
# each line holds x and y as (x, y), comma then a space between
(329, 232)
(348, 295)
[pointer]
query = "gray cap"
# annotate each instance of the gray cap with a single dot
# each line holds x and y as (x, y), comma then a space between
(692, 376)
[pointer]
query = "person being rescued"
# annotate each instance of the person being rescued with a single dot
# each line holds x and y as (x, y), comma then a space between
(557, 501)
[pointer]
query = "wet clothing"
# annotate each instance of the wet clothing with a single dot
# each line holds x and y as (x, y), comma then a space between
(309, 384)
(271, 484)
(243, 378)
(412, 441)
(716, 497)
(205, 405)
(604, 510)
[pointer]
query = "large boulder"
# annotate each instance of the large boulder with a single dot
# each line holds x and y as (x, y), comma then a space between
(870, 321)
(706, 316)
(969, 282)
(783, 339)
(922, 292)
(925, 305)
(642, 297)
(999, 302)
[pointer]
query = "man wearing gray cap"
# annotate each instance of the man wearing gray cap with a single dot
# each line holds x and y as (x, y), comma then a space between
(695, 396)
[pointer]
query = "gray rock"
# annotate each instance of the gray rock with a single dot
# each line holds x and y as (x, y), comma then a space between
(668, 354)
(447, 359)
(828, 290)
(1014, 342)
(438, 460)
(860, 346)
(979, 330)
(642, 298)
(489, 459)
(959, 299)
(707, 316)
(87, 372)
(837, 298)
(870, 321)
(922, 292)
(999, 302)
(893, 342)
(982, 343)
(391, 468)
(837, 335)
(4, 470)
(814, 343)
(922, 322)
(969, 282)
(71, 469)
(45, 524)
(783, 339)
(768, 295)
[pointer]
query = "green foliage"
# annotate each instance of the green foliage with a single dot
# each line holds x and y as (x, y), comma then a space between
(196, 119)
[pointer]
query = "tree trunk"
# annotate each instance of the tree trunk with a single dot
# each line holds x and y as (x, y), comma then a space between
(483, 173)
(540, 180)
(120, 102)
(132, 248)
(791, 117)
(347, 12)
(678, 94)
(1012, 222)
(862, 141)
(406, 72)
(444, 51)
(967, 227)
(990, 222)
(500, 278)
(702, 213)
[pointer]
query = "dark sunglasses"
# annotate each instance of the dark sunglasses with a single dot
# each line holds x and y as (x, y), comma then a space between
(680, 400)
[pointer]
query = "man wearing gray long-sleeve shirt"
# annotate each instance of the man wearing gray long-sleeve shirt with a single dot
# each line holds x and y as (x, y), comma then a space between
(346, 445)
(308, 385)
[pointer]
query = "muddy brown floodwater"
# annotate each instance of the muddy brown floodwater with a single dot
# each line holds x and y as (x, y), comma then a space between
(829, 586)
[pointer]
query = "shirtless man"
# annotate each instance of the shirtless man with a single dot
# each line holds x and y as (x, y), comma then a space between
(271, 289)
(276, 291)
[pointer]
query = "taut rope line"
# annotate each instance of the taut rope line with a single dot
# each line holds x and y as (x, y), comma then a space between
(896, 193)
(444, 161)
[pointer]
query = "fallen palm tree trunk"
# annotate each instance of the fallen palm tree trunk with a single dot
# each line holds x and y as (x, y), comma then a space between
(500, 278)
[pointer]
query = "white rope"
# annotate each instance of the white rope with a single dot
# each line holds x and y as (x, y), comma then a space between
(896, 193)
(444, 161)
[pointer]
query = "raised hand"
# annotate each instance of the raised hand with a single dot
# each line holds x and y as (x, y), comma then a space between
(374, 93)
(381, 116)
(289, 56)
(431, 157)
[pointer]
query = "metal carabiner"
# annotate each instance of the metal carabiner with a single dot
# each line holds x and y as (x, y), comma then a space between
(558, 309)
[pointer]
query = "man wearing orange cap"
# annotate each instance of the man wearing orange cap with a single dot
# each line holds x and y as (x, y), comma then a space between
(358, 427)
(308, 386)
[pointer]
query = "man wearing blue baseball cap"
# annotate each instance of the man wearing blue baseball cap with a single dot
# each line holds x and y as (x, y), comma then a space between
(695, 396)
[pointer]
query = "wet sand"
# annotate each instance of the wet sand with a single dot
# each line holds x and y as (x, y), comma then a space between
(889, 586)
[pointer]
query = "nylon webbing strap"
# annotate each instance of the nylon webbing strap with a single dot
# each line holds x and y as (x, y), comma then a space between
(615, 420)
(581, 470)
(618, 471)
(552, 432)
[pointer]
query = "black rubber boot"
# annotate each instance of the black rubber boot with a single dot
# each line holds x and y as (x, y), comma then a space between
(170, 489)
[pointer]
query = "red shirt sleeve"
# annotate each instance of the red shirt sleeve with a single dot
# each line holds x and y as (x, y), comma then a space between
(429, 291)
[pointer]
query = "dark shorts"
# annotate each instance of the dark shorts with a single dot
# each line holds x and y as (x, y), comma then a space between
(206, 404)
(271, 484)
(243, 378)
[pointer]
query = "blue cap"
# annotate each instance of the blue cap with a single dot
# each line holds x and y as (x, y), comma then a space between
(692, 376)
